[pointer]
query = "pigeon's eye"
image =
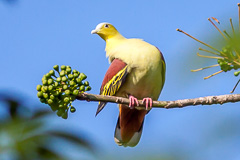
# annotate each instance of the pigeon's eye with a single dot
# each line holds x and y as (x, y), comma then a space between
(106, 26)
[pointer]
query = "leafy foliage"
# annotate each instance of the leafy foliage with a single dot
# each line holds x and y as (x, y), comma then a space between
(23, 134)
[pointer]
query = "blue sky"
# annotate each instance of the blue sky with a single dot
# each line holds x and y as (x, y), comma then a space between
(35, 35)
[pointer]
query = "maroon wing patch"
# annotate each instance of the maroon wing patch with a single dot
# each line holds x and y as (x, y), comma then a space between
(116, 66)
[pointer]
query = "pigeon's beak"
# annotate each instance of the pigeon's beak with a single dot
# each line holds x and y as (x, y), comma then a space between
(95, 31)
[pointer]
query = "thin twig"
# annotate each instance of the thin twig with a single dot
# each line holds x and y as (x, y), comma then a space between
(235, 86)
(213, 74)
(179, 30)
(196, 70)
(239, 16)
(209, 100)
(204, 56)
(217, 29)
(232, 25)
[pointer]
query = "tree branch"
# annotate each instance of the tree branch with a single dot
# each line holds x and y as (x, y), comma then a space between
(209, 100)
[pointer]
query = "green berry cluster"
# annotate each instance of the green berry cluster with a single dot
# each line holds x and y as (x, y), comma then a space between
(227, 63)
(59, 92)
(225, 66)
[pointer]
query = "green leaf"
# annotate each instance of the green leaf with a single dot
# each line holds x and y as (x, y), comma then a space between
(46, 153)
(41, 114)
(80, 141)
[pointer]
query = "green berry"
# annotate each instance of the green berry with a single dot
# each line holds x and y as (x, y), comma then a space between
(86, 83)
(58, 79)
(40, 94)
(79, 81)
(65, 86)
(63, 67)
(65, 115)
(68, 70)
(70, 76)
(88, 88)
(82, 88)
(72, 83)
(44, 88)
(50, 101)
(55, 84)
(42, 100)
(67, 92)
(56, 93)
(220, 61)
(224, 50)
(52, 97)
(60, 112)
(50, 88)
(72, 109)
(56, 68)
(82, 76)
(44, 82)
(50, 81)
(44, 78)
(75, 92)
(64, 79)
(74, 71)
(39, 87)
(236, 73)
(45, 95)
(62, 73)
(51, 72)
(75, 75)
(66, 99)
(47, 75)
